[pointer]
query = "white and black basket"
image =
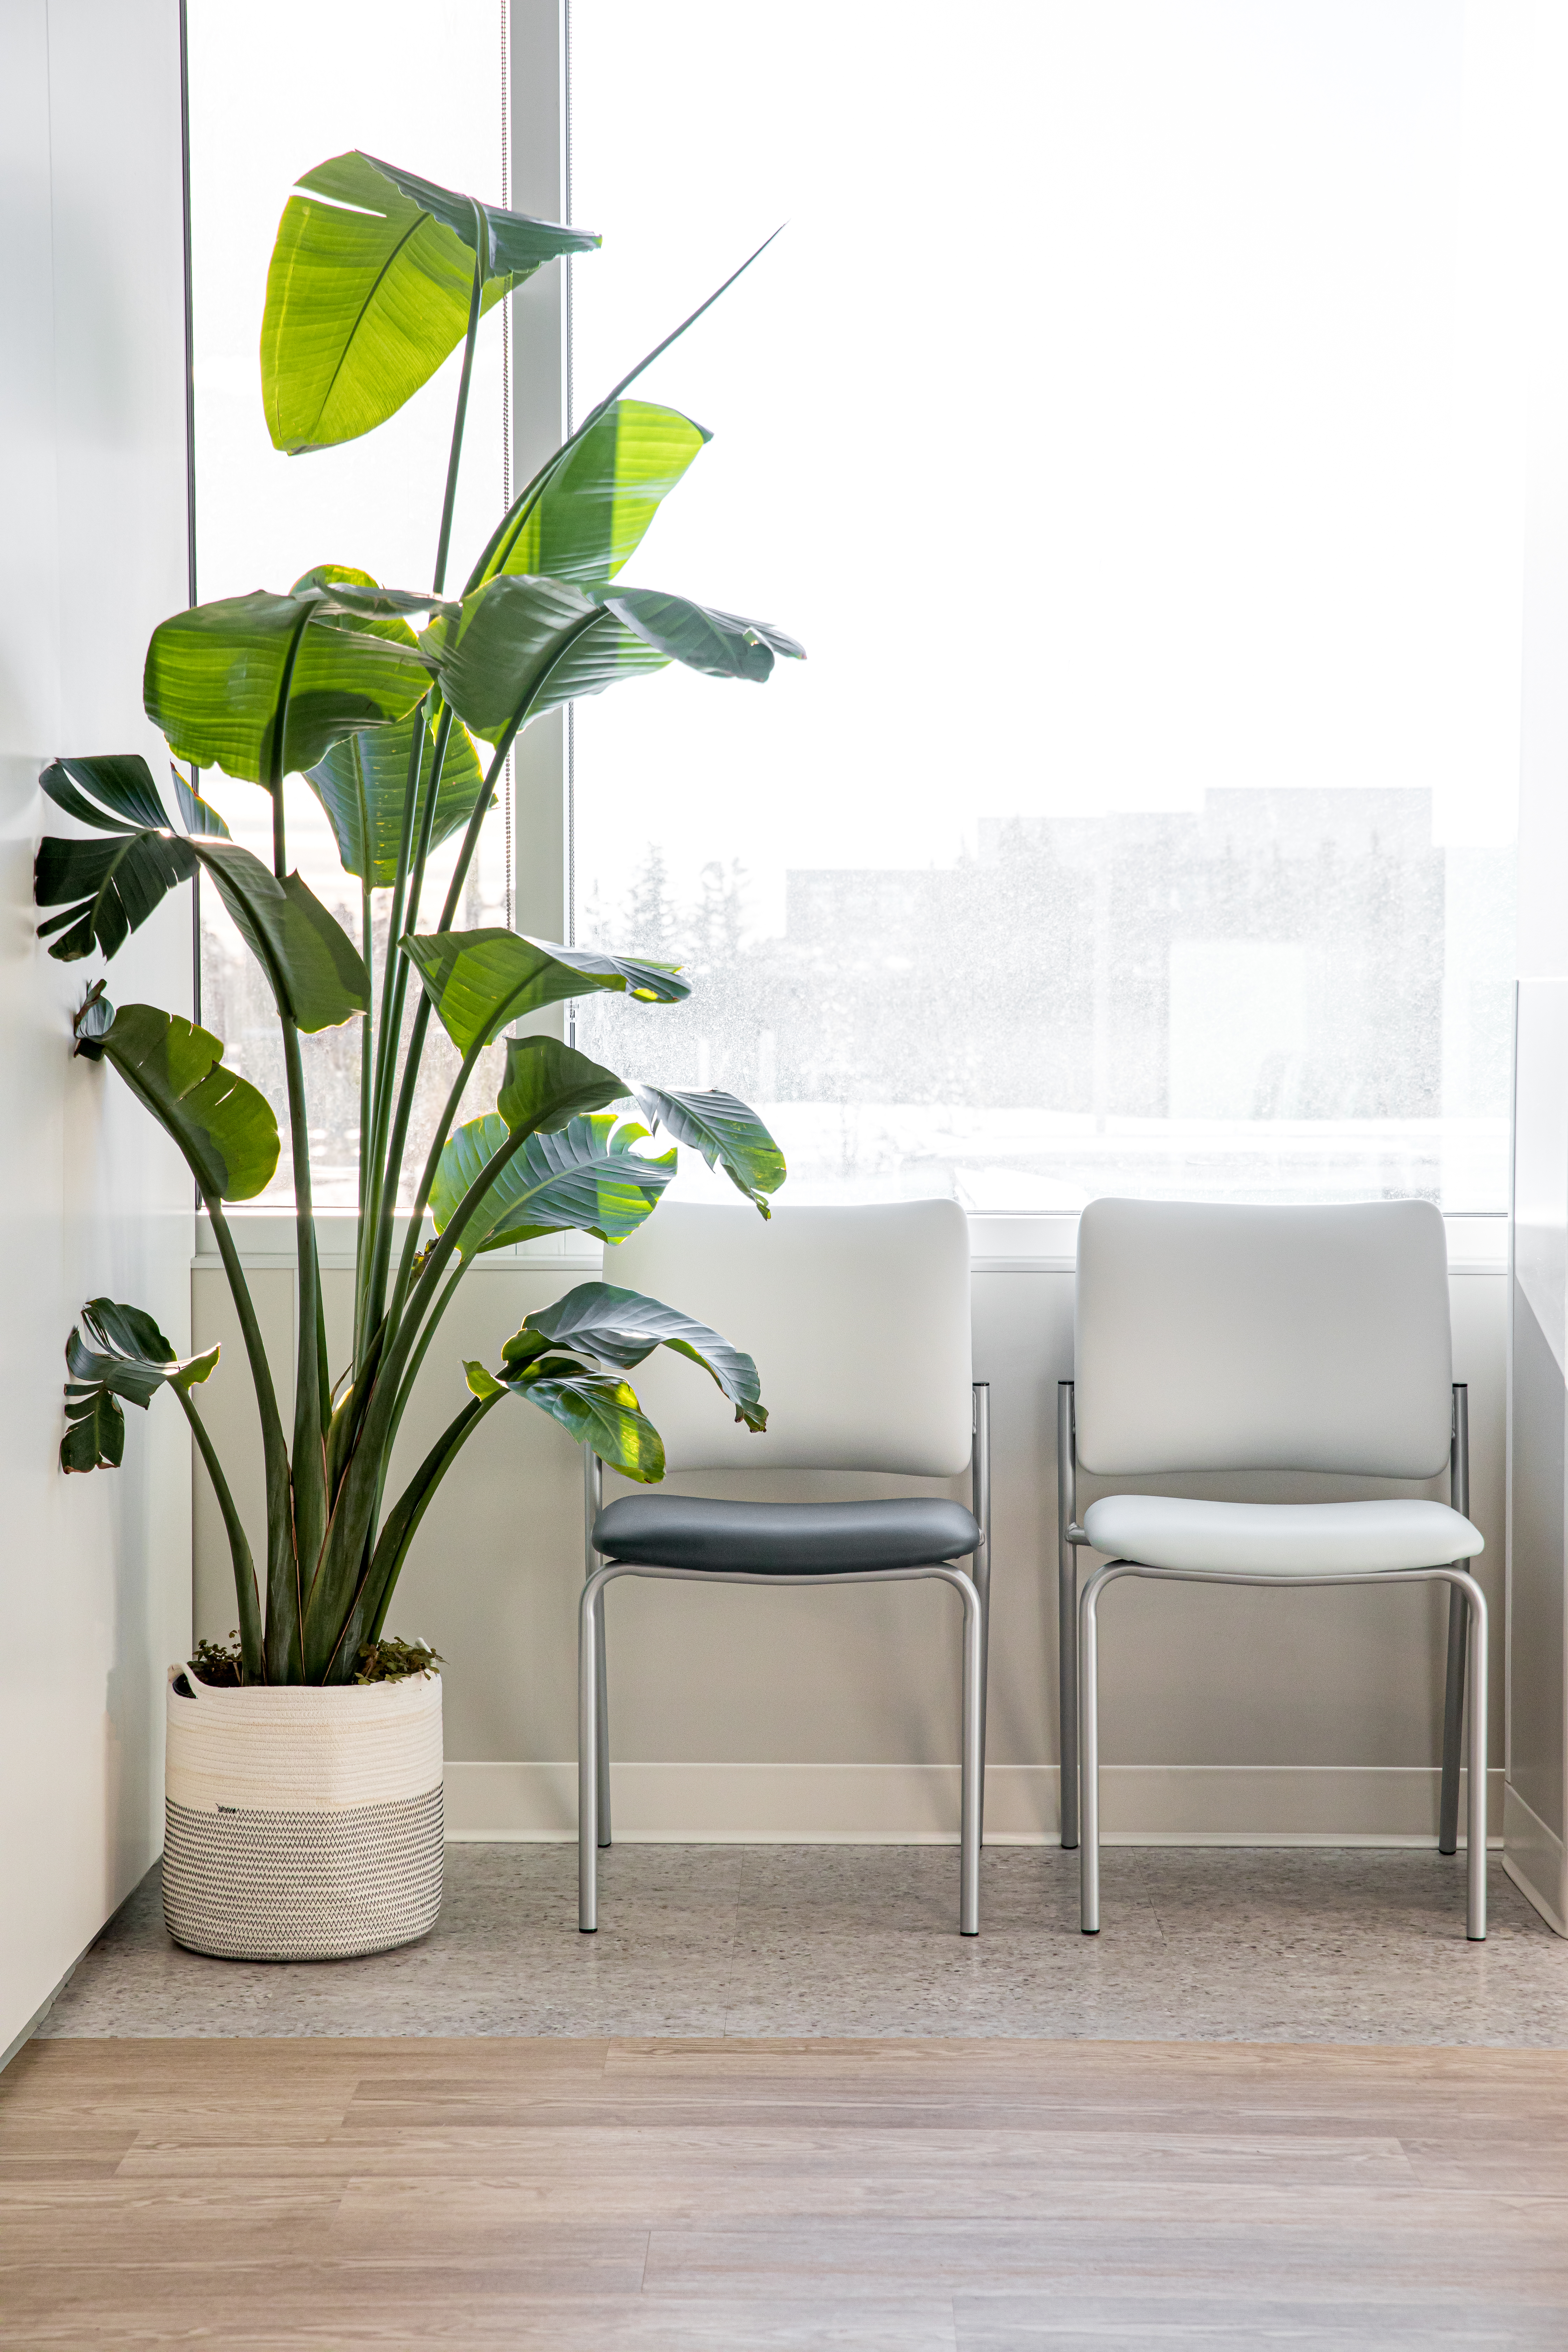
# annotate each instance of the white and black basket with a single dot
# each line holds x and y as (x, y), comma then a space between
(302, 1823)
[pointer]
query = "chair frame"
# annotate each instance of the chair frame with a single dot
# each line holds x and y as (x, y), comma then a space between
(973, 1586)
(1077, 1624)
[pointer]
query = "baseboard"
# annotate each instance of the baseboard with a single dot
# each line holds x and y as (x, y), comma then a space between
(1533, 1858)
(916, 1804)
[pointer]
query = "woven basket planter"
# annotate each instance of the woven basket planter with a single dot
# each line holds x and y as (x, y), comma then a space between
(300, 1823)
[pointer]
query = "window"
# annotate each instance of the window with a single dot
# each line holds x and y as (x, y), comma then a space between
(420, 83)
(1129, 421)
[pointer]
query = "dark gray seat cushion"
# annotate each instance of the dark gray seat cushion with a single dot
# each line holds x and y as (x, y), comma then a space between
(783, 1538)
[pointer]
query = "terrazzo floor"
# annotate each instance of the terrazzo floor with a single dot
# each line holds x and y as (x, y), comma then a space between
(1198, 1943)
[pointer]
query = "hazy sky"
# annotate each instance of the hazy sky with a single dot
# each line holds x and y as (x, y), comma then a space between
(1131, 405)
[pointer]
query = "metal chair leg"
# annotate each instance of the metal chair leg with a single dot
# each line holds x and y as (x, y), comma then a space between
(1453, 1722)
(590, 1617)
(1476, 1822)
(980, 1499)
(601, 1722)
(1459, 1618)
(1066, 1615)
(1089, 1745)
(1465, 1589)
(971, 1772)
(593, 1503)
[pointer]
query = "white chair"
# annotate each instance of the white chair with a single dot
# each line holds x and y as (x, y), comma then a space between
(1213, 1339)
(859, 1320)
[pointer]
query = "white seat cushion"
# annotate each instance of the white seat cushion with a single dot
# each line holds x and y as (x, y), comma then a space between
(1342, 1538)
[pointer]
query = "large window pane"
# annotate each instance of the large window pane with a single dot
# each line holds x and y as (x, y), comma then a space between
(1128, 422)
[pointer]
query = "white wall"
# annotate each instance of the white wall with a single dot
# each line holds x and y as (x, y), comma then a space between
(1537, 1804)
(94, 1572)
(745, 1713)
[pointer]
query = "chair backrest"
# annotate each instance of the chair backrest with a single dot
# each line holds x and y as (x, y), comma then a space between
(858, 1318)
(1218, 1338)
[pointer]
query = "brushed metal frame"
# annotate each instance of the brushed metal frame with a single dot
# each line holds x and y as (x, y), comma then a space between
(1462, 1584)
(1070, 1540)
(973, 1586)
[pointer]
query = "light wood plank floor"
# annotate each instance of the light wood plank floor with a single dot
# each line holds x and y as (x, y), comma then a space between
(687, 2195)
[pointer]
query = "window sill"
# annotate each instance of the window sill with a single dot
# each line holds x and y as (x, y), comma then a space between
(998, 1244)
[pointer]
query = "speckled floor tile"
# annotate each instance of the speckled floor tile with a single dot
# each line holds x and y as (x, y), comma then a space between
(1198, 1943)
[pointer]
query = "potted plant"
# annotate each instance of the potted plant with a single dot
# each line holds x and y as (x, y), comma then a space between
(304, 1767)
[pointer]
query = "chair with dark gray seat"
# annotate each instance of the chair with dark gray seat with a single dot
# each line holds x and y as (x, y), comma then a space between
(1213, 1339)
(858, 1321)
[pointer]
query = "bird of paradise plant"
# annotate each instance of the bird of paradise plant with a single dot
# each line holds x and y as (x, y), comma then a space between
(376, 277)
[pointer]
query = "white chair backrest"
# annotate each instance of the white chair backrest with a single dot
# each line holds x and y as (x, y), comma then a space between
(1215, 1338)
(859, 1320)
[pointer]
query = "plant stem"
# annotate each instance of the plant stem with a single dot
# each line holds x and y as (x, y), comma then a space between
(337, 1579)
(281, 1654)
(376, 1290)
(406, 1387)
(481, 247)
(246, 1595)
(392, 1146)
(309, 1485)
(427, 818)
(310, 1420)
(371, 1603)
(427, 1181)
(366, 1039)
(372, 1146)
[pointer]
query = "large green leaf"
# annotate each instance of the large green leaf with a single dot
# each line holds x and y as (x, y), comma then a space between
(261, 686)
(123, 797)
(316, 973)
(369, 290)
(199, 818)
(584, 1177)
(362, 782)
(494, 657)
(547, 1083)
(352, 599)
(722, 644)
(601, 657)
(130, 1358)
(95, 1431)
(584, 514)
(224, 1127)
(109, 887)
(593, 1408)
(623, 1326)
(520, 645)
(480, 981)
(130, 1353)
(726, 1131)
(362, 785)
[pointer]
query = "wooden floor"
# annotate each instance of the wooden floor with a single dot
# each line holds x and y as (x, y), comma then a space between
(674, 2196)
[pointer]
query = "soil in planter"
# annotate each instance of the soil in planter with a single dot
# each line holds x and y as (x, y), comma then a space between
(386, 1660)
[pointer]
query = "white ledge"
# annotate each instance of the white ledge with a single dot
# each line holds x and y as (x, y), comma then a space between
(998, 1244)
